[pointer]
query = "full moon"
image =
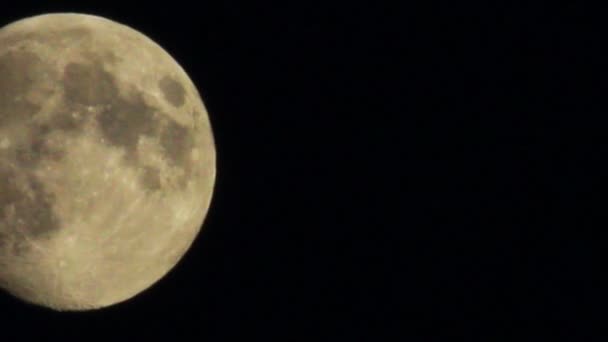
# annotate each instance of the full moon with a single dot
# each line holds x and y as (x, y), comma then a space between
(107, 161)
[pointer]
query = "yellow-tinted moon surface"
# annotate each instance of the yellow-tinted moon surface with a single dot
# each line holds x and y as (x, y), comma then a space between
(107, 161)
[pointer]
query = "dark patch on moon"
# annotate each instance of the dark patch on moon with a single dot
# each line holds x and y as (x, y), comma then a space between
(89, 84)
(68, 122)
(69, 119)
(19, 71)
(26, 208)
(125, 120)
(30, 154)
(196, 119)
(176, 141)
(3, 238)
(18, 110)
(42, 218)
(150, 178)
(173, 91)
(122, 119)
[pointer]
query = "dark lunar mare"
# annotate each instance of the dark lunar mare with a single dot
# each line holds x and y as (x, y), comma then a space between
(26, 208)
(173, 91)
(18, 71)
(124, 119)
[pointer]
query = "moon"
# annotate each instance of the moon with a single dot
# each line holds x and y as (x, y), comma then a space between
(107, 161)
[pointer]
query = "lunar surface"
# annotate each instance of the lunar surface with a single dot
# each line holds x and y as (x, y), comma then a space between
(107, 161)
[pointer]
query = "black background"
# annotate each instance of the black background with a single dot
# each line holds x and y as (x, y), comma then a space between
(420, 171)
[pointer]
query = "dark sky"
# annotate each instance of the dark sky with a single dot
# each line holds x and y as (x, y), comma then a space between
(423, 171)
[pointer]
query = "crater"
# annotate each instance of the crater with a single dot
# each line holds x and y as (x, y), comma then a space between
(26, 206)
(173, 91)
